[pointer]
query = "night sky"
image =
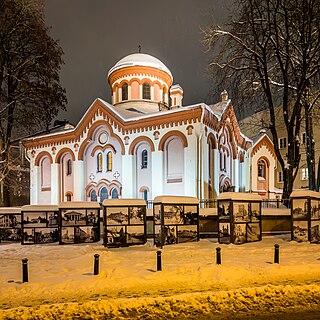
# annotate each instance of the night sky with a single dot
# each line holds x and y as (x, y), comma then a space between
(95, 34)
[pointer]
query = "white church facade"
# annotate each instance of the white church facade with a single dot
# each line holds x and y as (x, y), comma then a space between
(145, 144)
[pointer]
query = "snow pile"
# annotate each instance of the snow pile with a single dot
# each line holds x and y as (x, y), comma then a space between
(62, 285)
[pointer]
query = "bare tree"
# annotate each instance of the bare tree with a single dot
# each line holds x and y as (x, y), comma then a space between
(271, 51)
(30, 91)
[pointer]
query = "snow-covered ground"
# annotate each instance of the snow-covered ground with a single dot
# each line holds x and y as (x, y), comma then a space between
(62, 285)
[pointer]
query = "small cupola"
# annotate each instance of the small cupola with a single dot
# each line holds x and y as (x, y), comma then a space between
(176, 95)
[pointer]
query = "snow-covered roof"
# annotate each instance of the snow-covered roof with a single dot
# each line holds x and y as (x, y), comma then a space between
(140, 59)
(40, 207)
(123, 202)
(176, 200)
(10, 210)
(239, 196)
(79, 205)
(304, 193)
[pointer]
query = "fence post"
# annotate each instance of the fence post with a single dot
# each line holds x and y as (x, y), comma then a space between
(276, 253)
(159, 268)
(96, 264)
(218, 255)
(25, 270)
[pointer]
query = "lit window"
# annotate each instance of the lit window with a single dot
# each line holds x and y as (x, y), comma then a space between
(146, 91)
(125, 92)
(69, 167)
(99, 162)
(109, 161)
(261, 169)
(304, 174)
(283, 142)
(144, 159)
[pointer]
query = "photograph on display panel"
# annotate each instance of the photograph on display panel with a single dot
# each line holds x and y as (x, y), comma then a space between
(67, 235)
(173, 214)
(300, 209)
(255, 211)
(28, 235)
(46, 235)
(190, 215)
(165, 235)
(187, 233)
(224, 210)
(240, 231)
(135, 235)
(253, 232)
(10, 234)
(117, 215)
(300, 231)
(53, 219)
(115, 235)
(85, 234)
(314, 210)
(136, 215)
(10, 221)
(241, 212)
(157, 213)
(224, 232)
(35, 219)
(92, 216)
(315, 231)
(72, 217)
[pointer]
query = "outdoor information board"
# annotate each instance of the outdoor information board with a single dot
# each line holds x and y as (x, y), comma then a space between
(305, 216)
(10, 224)
(79, 222)
(40, 224)
(176, 219)
(124, 222)
(239, 217)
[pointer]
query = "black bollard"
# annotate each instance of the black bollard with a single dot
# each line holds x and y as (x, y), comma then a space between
(159, 268)
(96, 264)
(25, 270)
(276, 253)
(218, 256)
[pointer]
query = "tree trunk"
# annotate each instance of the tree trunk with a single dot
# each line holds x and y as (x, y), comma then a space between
(310, 157)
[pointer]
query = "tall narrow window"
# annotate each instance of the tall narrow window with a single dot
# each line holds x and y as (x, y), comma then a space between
(145, 194)
(164, 95)
(103, 194)
(93, 195)
(146, 91)
(144, 159)
(114, 194)
(99, 162)
(69, 168)
(125, 92)
(261, 169)
(109, 161)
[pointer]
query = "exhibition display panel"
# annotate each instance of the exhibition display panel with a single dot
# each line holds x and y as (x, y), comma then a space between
(10, 224)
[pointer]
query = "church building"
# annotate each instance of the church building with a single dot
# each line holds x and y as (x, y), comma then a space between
(144, 144)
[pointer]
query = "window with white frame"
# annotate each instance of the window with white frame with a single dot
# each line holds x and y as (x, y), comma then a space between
(280, 176)
(304, 174)
(283, 142)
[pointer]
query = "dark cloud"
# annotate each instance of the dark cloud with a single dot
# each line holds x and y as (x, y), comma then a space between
(95, 34)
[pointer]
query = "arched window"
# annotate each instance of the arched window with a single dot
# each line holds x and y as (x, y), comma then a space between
(164, 94)
(262, 169)
(146, 91)
(125, 92)
(114, 193)
(99, 162)
(93, 195)
(68, 196)
(69, 168)
(45, 174)
(103, 194)
(109, 161)
(144, 159)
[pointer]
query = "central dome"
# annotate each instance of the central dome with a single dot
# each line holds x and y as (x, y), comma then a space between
(140, 59)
